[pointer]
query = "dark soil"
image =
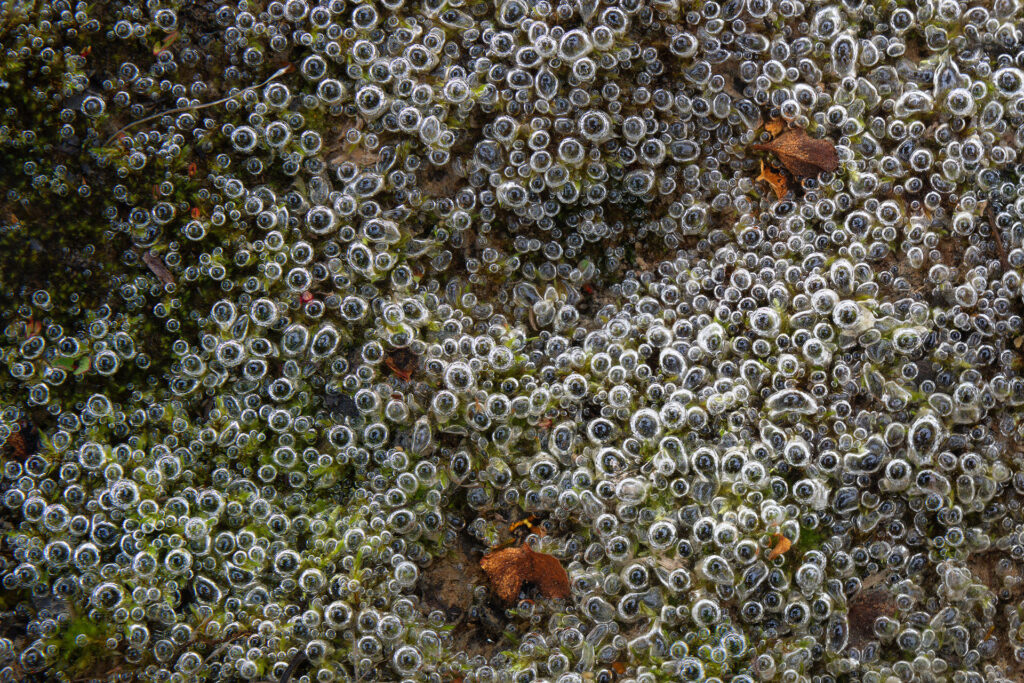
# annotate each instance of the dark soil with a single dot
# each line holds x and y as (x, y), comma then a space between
(864, 608)
(984, 568)
(448, 585)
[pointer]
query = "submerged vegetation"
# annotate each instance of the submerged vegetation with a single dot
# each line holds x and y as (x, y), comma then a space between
(460, 340)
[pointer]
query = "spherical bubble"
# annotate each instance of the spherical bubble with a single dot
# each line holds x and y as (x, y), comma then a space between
(106, 363)
(406, 574)
(106, 596)
(244, 139)
(93, 106)
(646, 424)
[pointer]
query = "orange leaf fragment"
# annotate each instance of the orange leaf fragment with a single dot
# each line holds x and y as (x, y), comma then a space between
(775, 179)
(619, 668)
(510, 568)
(782, 544)
(801, 154)
(526, 521)
(774, 127)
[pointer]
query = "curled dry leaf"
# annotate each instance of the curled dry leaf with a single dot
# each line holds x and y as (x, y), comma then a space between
(801, 154)
(775, 179)
(510, 568)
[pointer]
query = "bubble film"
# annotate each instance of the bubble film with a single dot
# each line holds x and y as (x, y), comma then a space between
(502, 341)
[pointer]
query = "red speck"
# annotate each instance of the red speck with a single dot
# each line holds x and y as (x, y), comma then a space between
(192, 169)
(306, 297)
(195, 212)
(86, 52)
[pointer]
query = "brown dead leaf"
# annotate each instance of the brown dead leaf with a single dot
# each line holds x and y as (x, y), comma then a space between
(510, 568)
(774, 127)
(775, 179)
(801, 154)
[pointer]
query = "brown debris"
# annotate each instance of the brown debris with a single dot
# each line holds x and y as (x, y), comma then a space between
(16, 447)
(157, 267)
(996, 237)
(801, 154)
(22, 443)
(402, 362)
(774, 127)
(510, 568)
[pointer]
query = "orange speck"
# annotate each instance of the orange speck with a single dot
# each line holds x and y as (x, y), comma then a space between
(526, 521)
(619, 668)
(192, 169)
(195, 212)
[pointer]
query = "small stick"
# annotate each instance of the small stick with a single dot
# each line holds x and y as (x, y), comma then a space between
(998, 239)
(223, 646)
(280, 72)
(293, 665)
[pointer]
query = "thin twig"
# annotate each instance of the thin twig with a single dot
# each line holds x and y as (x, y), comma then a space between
(293, 665)
(280, 72)
(994, 229)
(223, 646)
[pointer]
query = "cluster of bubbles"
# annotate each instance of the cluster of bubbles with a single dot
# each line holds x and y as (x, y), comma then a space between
(301, 298)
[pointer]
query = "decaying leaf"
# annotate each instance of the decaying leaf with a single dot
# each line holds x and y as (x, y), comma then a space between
(775, 179)
(16, 447)
(801, 154)
(22, 443)
(156, 265)
(774, 127)
(510, 568)
(402, 362)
